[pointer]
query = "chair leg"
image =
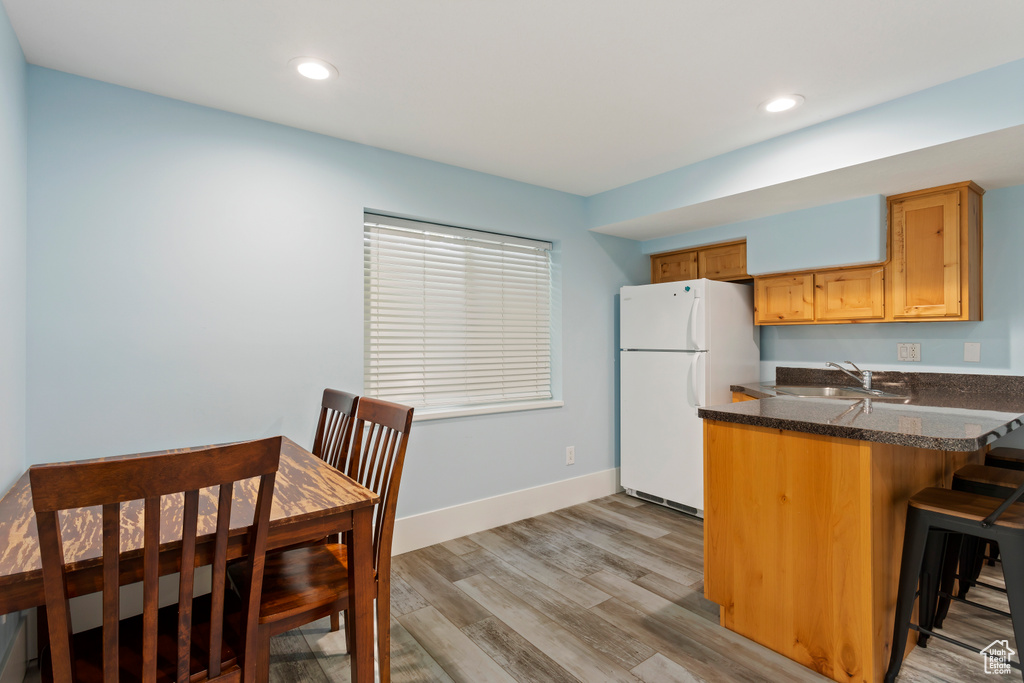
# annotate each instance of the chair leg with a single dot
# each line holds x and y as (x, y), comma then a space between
(910, 569)
(348, 632)
(950, 561)
(262, 659)
(931, 572)
(1012, 555)
(384, 635)
(335, 622)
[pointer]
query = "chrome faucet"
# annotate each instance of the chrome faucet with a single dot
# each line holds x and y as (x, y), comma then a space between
(864, 378)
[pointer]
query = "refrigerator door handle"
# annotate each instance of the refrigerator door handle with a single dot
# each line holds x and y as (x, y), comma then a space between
(700, 379)
(694, 385)
(691, 327)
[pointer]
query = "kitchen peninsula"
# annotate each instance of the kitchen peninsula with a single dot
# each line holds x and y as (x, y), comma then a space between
(805, 504)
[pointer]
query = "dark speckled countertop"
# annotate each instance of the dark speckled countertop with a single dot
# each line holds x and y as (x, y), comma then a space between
(941, 411)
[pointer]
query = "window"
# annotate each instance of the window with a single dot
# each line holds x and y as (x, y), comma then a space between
(455, 318)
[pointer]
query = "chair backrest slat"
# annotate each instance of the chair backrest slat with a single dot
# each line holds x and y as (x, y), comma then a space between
(218, 581)
(186, 582)
(156, 480)
(58, 615)
(150, 588)
(111, 589)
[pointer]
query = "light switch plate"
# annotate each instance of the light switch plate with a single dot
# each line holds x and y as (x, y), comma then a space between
(972, 352)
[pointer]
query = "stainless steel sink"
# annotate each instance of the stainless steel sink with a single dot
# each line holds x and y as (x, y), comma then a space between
(834, 392)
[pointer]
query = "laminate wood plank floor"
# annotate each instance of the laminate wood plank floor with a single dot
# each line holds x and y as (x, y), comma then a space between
(609, 590)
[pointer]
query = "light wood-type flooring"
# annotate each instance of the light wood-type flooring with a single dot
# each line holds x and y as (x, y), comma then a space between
(609, 590)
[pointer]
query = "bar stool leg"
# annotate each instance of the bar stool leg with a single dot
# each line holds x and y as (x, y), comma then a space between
(950, 561)
(970, 548)
(931, 572)
(910, 569)
(1012, 555)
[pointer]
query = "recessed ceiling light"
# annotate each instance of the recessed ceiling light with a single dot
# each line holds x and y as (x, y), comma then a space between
(316, 69)
(784, 103)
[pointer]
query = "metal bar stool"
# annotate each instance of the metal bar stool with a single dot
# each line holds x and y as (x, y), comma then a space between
(932, 515)
(988, 482)
(964, 556)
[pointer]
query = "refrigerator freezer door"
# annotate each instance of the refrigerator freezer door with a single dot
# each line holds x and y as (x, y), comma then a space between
(669, 316)
(662, 437)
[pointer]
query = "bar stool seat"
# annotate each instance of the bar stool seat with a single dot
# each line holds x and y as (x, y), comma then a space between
(1009, 458)
(968, 506)
(936, 516)
(991, 475)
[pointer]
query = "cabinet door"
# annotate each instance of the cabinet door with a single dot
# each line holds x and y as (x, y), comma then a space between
(673, 267)
(727, 262)
(926, 256)
(854, 294)
(784, 299)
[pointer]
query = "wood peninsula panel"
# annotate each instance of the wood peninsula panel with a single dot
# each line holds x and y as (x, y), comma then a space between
(803, 535)
(784, 299)
(739, 397)
(851, 294)
(726, 262)
(674, 266)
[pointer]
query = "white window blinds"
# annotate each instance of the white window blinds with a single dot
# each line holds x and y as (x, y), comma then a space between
(455, 317)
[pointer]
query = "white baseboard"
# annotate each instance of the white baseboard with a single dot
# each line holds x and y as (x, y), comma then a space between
(437, 526)
(14, 668)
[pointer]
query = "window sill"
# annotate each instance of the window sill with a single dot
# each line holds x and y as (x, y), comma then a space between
(423, 414)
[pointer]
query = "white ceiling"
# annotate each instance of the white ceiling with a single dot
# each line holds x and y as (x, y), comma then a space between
(577, 95)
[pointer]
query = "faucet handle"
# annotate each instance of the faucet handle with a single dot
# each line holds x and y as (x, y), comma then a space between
(854, 365)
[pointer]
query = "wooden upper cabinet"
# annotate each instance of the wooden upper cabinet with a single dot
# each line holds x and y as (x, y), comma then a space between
(720, 262)
(851, 294)
(674, 266)
(727, 262)
(784, 299)
(935, 265)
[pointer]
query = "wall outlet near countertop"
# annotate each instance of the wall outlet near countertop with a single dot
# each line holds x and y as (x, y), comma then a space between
(908, 352)
(972, 352)
(570, 455)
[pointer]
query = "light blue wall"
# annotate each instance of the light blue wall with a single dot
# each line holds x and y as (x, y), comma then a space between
(13, 231)
(13, 227)
(799, 240)
(197, 277)
(981, 103)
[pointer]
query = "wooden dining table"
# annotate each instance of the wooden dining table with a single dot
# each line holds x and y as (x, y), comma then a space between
(312, 500)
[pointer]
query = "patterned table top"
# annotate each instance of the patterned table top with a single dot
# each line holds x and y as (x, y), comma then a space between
(306, 489)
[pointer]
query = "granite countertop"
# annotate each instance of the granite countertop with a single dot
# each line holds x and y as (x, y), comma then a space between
(940, 411)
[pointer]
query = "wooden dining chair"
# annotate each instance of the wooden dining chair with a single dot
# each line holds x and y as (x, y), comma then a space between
(145, 501)
(301, 585)
(334, 428)
(333, 441)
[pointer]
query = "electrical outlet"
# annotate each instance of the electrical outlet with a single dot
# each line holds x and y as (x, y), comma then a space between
(570, 455)
(972, 352)
(908, 352)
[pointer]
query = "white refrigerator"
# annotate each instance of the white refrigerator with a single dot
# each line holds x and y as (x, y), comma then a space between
(682, 345)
